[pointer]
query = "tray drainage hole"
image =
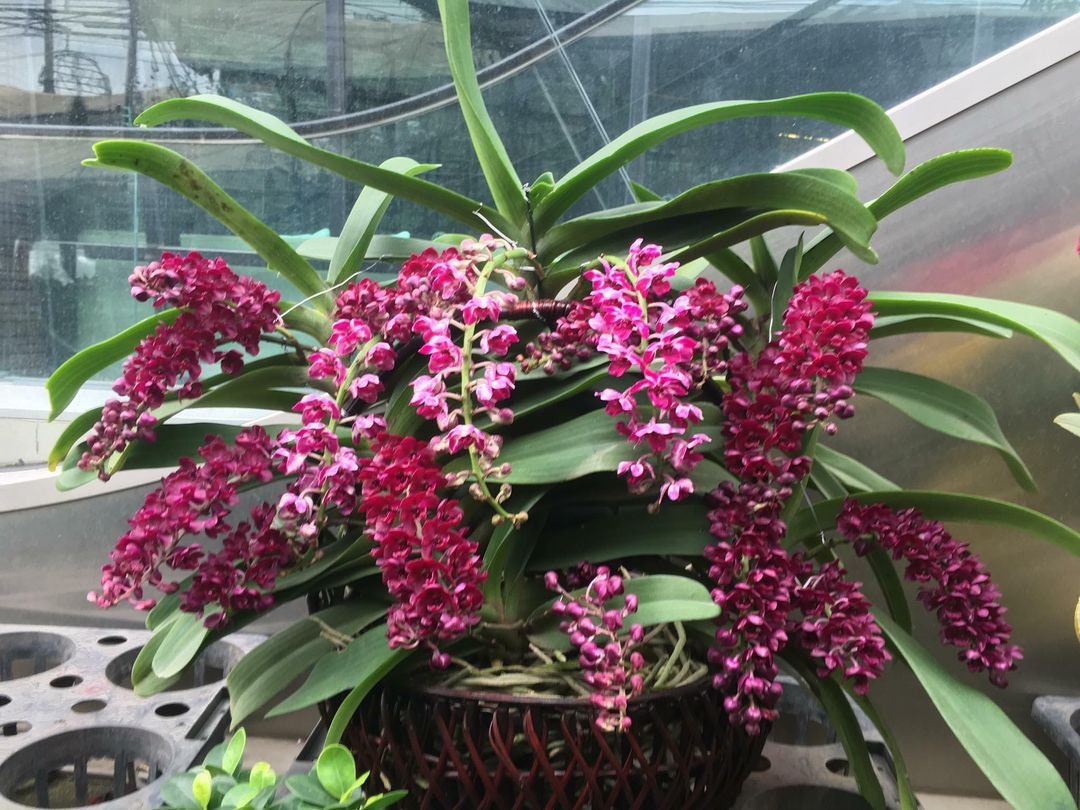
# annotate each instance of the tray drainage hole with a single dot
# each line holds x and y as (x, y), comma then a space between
(839, 766)
(172, 709)
(762, 765)
(65, 681)
(110, 641)
(1074, 721)
(30, 653)
(4, 700)
(86, 766)
(18, 727)
(89, 706)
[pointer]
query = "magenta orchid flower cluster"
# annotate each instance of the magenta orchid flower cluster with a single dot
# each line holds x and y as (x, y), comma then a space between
(451, 339)
(596, 624)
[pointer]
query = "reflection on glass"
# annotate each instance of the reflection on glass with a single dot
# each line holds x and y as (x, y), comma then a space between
(369, 78)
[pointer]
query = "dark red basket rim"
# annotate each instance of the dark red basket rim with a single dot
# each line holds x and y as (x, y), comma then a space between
(486, 696)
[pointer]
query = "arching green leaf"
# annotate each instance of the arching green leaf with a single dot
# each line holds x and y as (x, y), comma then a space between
(273, 665)
(936, 173)
(502, 180)
(64, 383)
(852, 473)
(917, 324)
(1060, 332)
(362, 222)
(945, 506)
(944, 408)
(181, 175)
(275, 133)
(733, 199)
(338, 671)
(846, 109)
(1016, 768)
(832, 699)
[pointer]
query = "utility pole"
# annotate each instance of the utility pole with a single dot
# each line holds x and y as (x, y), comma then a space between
(48, 82)
(132, 76)
(339, 202)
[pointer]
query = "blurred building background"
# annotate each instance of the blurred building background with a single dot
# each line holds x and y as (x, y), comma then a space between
(369, 78)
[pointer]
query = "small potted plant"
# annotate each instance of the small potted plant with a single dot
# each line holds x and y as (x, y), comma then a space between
(560, 500)
(221, 782)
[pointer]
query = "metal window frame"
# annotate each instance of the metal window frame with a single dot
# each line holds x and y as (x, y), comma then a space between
(953, 96)
(1006, 69)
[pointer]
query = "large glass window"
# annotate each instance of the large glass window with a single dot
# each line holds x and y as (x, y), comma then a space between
(369, 78)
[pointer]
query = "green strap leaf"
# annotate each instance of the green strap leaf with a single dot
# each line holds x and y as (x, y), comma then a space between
(847, 109)
(64, 383)
(300, 318)
(944, 408)
(182, 643)
(938, 172)
(173, 442)
(338, 671)
(1060, 332)
(831, 697)
(143, 679)
(884, 570)
(642, 194)
(851, 473)
(765, 266)
(918, 324)
(584, 445)
(257, 386)
(72, 432)
(355, 697)
(744, 196)
(908, 800)
(945, 506)
(344, 562)
(682, 529)
(222, 390)
(269, 130)
(843, 180)
(785, 286)
(506, 537)
(823, 480)
(505, 185)
(181, 175)
(1015, 767)
(731, 265)
(362, 222)
(1069, 421)
(271, 666)
(752, 227)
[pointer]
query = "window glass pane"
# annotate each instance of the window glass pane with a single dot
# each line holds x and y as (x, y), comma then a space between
(369, 78)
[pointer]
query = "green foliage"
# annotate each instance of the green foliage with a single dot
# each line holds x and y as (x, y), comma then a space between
(1019, 771)
(1070, 421)
(562, 449)
(222, 783)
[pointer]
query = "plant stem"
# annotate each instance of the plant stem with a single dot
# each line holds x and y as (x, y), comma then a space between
(680, 643)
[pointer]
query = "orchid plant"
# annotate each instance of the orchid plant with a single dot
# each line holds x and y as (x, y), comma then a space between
(557, 436)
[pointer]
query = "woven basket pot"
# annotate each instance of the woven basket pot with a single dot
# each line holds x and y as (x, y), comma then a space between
(479, 750)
